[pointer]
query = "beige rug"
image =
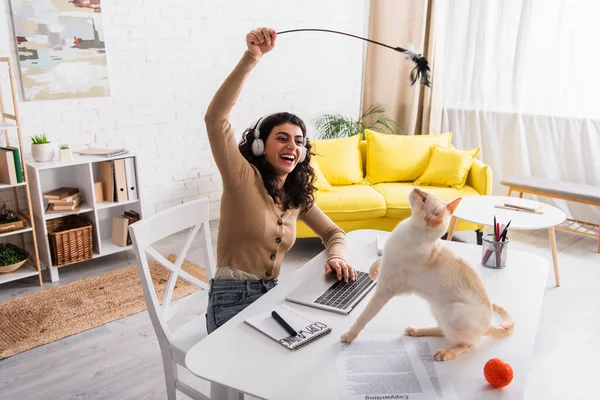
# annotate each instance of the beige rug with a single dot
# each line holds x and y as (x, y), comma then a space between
(49, 315)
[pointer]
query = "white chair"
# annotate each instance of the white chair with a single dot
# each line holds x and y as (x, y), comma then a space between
(174, 344)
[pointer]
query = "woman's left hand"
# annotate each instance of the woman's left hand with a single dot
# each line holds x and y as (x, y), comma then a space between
(339, 267)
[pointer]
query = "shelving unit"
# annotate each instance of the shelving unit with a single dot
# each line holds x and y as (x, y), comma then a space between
(81, 172)
(10, 122)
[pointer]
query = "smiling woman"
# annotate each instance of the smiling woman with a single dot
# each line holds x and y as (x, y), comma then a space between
(283, 160)
(268, 185)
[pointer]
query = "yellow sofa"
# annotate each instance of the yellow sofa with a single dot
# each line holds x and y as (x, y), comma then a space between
(371, 202)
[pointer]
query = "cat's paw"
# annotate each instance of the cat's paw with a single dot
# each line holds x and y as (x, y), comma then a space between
(348, 337)
(374, 270)
(411, 331)
(444, 355)
(373, 274)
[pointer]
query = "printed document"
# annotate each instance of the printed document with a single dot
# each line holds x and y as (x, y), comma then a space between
(378, 367)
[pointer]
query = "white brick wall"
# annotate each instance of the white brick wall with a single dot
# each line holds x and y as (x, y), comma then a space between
(167, 58)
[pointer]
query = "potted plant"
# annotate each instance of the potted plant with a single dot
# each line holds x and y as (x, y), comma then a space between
(65, 153)
(331, 126)
(41, 148)
(11, 257)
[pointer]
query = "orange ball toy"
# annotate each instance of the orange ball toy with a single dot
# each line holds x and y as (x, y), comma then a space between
(498, 373)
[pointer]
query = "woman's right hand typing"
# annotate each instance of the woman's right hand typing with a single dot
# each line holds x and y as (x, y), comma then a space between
(260, 41)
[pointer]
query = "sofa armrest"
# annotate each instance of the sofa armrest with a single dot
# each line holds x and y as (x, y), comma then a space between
(480, 178)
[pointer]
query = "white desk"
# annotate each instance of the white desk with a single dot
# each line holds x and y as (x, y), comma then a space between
(238, 356)
(482, 209)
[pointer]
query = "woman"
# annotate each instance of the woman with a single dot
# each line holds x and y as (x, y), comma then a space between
(267, 187)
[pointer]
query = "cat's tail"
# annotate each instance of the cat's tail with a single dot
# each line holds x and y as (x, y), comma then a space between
(374, 270)
(506, 327)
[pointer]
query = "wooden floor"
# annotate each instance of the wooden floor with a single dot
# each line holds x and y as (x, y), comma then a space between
(121, 360)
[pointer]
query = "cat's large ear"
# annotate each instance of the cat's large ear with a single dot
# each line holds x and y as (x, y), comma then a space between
(453, 204)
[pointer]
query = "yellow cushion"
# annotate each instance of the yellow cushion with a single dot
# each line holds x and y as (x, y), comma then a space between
(321, 182)
(351, 202)
(340, 160)
(480, 178)
(400, 158)
(396, 196)
(448, 167)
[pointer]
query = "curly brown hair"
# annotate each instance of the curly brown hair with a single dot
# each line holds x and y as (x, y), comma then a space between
(298, 189)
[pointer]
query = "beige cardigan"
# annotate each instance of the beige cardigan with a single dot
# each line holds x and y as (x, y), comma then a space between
(253, 238)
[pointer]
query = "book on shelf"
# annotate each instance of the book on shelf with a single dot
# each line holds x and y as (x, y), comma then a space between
(119, 230)
(120, 227)
(98, 151)
(307, 330)
(66, 200)
(53, 209)
(63, 199)
(133, 217)
(60, 193)
(8, 171)
(57, 205)
(17, 160)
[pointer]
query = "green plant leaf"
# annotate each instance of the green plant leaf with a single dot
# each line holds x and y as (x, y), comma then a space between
(330, 126)
(11, 254)
(40, 139)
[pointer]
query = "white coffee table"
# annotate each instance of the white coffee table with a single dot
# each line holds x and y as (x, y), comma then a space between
(482, 209)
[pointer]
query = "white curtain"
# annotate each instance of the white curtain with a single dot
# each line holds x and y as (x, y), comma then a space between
(522, 81)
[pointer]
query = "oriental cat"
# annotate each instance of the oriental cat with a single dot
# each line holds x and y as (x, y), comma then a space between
(415, 260)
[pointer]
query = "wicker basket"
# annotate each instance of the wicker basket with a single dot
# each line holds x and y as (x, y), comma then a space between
(70, 239)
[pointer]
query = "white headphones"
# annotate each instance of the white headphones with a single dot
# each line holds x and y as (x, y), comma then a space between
(258, 145)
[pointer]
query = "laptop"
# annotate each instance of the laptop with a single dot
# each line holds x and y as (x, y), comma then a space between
(326, 292)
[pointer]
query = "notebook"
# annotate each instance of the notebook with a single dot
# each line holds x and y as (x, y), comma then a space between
(308, 330)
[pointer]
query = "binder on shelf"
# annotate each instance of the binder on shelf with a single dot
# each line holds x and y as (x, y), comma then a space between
(120, 180)
(8, 173)
(107, 174)
(131, 179)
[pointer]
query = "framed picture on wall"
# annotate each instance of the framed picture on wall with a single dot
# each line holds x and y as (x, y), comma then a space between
(61, 50)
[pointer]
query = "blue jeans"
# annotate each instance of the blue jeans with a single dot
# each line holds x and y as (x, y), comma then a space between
(227, 297)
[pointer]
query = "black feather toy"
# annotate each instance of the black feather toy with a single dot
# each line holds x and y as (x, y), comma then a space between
(419, 72)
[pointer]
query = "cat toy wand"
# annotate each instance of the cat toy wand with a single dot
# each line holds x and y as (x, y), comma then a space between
(419, 72)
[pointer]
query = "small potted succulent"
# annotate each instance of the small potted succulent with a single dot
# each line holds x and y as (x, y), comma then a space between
(11, 257)
(41, 148)
(65, 153)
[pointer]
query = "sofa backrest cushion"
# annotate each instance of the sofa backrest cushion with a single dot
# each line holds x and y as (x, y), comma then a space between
(448, 167)
(321, 181)
(363, 153)
(340, 159)
(400, 158)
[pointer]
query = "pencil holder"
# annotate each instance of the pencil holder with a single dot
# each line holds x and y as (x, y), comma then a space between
(493, 252)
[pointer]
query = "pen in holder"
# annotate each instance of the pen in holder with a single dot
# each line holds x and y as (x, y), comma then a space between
(493, 252)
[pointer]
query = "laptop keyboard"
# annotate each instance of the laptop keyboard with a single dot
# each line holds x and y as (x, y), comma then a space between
(341, 294)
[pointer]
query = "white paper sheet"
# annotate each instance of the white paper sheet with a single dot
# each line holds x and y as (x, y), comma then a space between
(441, 383)
(377, 367)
